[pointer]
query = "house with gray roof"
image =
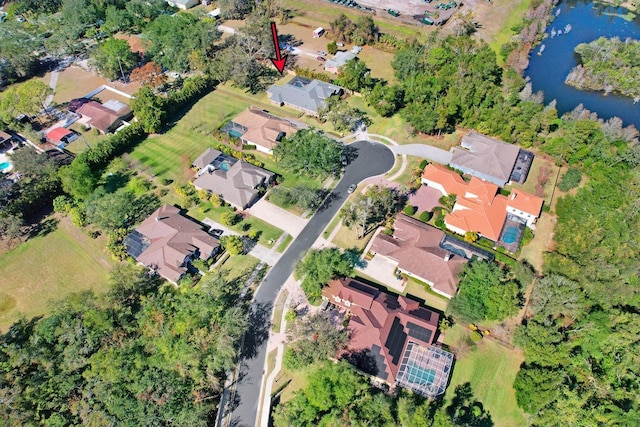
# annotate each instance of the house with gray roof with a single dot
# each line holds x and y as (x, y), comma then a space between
(340, 59)
(486, 158)
(206, 158)
(236, 181)
(303, 94)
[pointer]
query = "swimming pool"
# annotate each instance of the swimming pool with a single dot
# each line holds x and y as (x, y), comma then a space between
(5, 166)
(510, 235)
(418, 375)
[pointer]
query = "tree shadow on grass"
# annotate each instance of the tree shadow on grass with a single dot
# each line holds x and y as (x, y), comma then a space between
(44, 227)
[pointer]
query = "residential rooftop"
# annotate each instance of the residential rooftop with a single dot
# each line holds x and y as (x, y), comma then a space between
(386, 328)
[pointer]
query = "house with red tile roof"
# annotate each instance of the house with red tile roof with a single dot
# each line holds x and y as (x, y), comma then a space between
(394, 335)
(524, 205)
(60, 136)
(167, 242)
(479, 207)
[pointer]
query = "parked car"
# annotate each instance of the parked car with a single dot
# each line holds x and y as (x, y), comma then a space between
(322, 53)
(343, 159)
(340, 44)
(352, 188)
(321, 59)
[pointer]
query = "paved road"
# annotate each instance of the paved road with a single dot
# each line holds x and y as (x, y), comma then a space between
(433, 154)
(372, 159)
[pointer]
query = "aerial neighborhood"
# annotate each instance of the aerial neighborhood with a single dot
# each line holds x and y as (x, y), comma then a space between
(319, 212)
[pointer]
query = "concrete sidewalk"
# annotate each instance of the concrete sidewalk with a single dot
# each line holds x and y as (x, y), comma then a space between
(278, 217)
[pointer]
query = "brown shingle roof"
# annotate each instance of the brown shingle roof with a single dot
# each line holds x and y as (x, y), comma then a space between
(102, 117)
(263, 128)
(172, 238)
(383, 323)
(416, 247)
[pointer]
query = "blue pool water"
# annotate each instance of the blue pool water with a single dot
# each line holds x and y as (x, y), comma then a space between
(4, 165)
(224, 166)
(510, 234)
(419, 375)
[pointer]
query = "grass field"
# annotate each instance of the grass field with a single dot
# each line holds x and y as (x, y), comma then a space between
(239, 266)
(48, 268)
(285, 243)
(532, 180)
(346, 239)
(74, 82)
(491, 370)
(406, 177)
(497, 23)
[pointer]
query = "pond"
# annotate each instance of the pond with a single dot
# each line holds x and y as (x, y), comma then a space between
(585, 22)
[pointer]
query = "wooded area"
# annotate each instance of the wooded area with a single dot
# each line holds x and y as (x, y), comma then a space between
(608, 65)
(142, 354)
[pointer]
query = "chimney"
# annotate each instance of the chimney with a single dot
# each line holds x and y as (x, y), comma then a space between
(447, 257)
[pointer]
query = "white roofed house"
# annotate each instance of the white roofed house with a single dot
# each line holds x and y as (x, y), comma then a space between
(183, 4)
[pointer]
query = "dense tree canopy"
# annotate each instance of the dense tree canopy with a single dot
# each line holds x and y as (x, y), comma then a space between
(313, 338)
(113, 58)
(609, 65)
(370, 209)
(309, 153)
(336, 395)
(486, 292)
(173, 37)
(355, 76)
(320, 265)
(142, 352)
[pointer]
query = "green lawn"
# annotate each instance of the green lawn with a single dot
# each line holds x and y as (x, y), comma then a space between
(508, 13)
(406, 177)
(170, 155)
(239, 266)
(48, 268)
(269, 233)
(422, 290)
(491, 370)
(285, 243)
(346, 239)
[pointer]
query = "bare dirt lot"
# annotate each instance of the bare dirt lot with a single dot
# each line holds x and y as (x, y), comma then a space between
(75, 82)
(410, 9)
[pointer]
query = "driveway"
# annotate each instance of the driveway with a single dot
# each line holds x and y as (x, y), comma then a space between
(264, 254)
(428, 152)
(371, 159)
(278, 217)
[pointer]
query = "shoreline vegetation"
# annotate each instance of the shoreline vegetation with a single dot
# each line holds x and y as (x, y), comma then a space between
(608, 65)
(631, 5)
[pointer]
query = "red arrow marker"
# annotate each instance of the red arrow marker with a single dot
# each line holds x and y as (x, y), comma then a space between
(278, 61)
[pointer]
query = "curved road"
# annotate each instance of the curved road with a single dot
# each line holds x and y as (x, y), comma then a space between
(371, 158)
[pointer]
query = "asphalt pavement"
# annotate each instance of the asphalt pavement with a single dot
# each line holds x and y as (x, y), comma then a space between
(368, 159)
